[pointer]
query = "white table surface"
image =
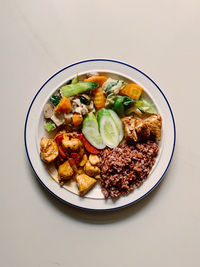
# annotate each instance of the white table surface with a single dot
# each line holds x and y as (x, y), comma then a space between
(38, 38)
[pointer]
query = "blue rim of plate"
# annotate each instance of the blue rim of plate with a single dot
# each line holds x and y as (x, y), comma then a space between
(114, 61)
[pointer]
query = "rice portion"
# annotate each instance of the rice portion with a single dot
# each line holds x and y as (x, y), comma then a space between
(126, 167)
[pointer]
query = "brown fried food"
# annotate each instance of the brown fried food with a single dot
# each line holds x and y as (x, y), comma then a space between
(48, 149)
(129, 128)
(94, 159)
(154, 123)
(142, 129)
(73, 144)
(83, 161)
(85, 183)
(91, 170)
(65, 171)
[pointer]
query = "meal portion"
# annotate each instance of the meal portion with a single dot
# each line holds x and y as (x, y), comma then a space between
(101, 130)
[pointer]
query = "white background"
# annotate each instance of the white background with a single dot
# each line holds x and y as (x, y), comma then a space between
(37, 38)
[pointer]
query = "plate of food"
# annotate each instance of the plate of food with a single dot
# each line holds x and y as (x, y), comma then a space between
(100, 134)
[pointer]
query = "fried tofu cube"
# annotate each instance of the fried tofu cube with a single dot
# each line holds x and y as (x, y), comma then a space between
(85, 183)
(65, 171)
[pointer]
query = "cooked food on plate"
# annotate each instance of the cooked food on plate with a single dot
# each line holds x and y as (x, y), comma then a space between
(101, 130)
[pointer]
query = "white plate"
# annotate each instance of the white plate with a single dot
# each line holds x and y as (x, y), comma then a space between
(34, 130)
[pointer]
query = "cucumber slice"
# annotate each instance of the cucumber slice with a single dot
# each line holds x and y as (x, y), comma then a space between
(77, 88)
(93, 136)
(108, 129)
(118, 123)
(109, 132)
(90, 130)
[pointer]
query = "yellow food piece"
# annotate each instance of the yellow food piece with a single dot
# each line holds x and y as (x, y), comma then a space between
(65, 171)
(94, 159)
(85, 183)
(48, 149)
(83, 161)
(99, 99)
(132, 90)
(91, 170)
(64, 106)
(80, 171)
(77, 119)
(74, 144)
(100, 80)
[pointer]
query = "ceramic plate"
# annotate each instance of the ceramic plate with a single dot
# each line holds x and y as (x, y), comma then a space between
(34, 130)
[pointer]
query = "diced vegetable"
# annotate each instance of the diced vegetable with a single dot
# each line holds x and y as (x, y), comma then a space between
(77, 119)
(64, 106)
(90, 130)
(50, 126)
(55, 99)
(84, 100)
(132, 90)
(99, 99)
(108, 128)
(100, 80)
(118, 123)
(120, 103)
(77, 88)
(75, 80)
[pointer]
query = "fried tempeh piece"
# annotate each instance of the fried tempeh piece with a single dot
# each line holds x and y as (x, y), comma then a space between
(154, 123)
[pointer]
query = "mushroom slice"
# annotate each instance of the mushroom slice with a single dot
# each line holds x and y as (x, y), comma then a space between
(154, 123)
(48, 111)
(85, 183)
(58, 118)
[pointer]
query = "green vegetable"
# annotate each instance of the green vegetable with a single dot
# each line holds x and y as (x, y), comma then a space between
(77, 88)
(110, 100)
(90, 130)
(75, 80)
(55, 99)
(108, 129)
(108, 88)
(145, 106)
(120, 103)
(141, 110)
(68, 82)
(84, 100)
(118, 123)
(50, 126)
